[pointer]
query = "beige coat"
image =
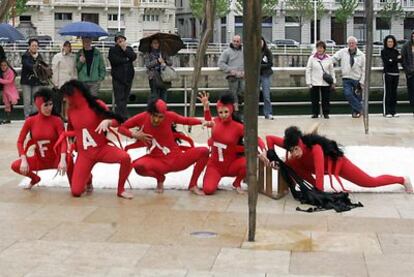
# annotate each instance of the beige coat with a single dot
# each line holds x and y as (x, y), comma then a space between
(64, 68)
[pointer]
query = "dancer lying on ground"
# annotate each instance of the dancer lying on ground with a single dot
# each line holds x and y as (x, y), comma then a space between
(164, 155)
(312, 154)
(226, 142)
(44, 129)
(89, 120)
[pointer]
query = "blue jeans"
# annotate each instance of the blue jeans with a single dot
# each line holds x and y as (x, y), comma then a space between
(265, 81)
(349, 92)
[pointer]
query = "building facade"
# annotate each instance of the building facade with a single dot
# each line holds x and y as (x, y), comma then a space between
(282, 25)
(139, 18)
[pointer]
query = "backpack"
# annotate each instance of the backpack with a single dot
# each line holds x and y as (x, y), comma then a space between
(42, 71)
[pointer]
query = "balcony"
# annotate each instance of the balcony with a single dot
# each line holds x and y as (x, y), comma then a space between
(83, 3)
(155, 4)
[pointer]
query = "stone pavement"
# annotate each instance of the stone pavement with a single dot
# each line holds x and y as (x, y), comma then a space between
(46, 232)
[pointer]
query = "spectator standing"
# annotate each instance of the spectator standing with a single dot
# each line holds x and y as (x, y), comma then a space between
(90, 66)
(30, 84)
(353, 74)
(408, 65)
(318, 64)
(231, 62)
(122, 57)
(64, 69)
(154, 61)
(390, 59)
(266, 72)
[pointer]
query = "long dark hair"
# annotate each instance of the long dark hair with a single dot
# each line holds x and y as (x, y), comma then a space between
(329, 147)
(47, 95)
(69, 88)
(393, 39)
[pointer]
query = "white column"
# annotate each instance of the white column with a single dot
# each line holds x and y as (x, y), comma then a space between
(46, 21)
(350, 27)
(230, 26)
(278, 28)
(325, 26)
(397, 28)
(306, 32)
(133, 19)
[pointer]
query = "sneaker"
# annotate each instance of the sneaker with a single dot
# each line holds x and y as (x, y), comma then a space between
(314, 116)
(395, 115)
(326, 116)
(356, 115)
(407, 184)
(388, 115)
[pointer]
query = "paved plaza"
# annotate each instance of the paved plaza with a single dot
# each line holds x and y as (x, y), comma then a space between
(46, 232)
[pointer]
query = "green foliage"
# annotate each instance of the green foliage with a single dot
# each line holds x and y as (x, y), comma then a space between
(346, 9)
(268, 7)
(390, 9)
(304, 9)
(20, 7)
(197, 8)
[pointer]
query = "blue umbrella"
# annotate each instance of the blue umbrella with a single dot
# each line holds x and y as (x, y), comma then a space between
(83, 29)
(9, 33)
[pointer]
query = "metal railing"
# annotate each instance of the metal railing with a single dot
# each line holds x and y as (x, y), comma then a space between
(185, 74)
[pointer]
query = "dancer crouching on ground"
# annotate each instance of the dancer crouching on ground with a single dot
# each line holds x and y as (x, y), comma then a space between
(226, 142)
(312, 154)
(90, 119)
(164, 154)
(44, 128)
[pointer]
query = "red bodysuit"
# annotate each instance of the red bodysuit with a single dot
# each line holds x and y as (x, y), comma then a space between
(313, 161)
(164, 154)
(44, 132)
(225, 159)
(91, 146)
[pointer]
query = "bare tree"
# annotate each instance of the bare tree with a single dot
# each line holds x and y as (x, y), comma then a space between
(5, 6)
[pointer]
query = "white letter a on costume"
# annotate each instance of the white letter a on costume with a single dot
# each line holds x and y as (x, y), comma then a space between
(87, 139)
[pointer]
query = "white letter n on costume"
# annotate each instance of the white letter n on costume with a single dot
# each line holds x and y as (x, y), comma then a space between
(87, 139)
(220, 147)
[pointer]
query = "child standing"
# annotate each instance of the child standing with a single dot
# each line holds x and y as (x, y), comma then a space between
(10, 93)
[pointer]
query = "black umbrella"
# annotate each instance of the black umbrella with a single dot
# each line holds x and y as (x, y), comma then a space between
(169, 44)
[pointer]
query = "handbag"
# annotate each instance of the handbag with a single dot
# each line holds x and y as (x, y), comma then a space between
(159, 82)
(168, 74)
(42, 71)
(326, 76)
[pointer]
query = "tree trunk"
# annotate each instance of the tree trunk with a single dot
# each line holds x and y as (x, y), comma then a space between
(5, 6)
(369, 9)
(210, 10)
(252, 32)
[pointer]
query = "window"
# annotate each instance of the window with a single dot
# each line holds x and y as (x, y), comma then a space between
(63, 16)
(150, 17)
(223, 20)
(25, 18)
(114, 17)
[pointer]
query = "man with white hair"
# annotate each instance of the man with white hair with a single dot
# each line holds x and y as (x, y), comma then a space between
(353, 74)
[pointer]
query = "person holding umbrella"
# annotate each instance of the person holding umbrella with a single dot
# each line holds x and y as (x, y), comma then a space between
(90, 66)
(158, 49)
(122, 57)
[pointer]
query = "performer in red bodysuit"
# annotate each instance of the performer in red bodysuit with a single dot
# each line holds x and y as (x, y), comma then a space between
(44, 129)
(164, 154)
(89, 119)
(314, 154)
(226, 149)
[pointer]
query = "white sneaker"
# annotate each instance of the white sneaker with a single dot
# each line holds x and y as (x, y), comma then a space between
(407, 184)
(388, 115)
(396, 115)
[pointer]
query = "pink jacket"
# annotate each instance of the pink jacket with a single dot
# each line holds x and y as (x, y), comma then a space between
(9, 88)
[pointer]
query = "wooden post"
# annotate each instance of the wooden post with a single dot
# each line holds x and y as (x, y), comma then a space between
(252, 31)
(369, 9)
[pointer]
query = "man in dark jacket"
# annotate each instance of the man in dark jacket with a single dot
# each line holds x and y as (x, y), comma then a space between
(121, 58)
(29, 82)
(408, 65)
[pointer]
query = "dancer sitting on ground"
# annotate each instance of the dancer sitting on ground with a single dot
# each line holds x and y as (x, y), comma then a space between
(44, 128)
(164, 155)
(312, 154)
(226, 142)
(88, 121)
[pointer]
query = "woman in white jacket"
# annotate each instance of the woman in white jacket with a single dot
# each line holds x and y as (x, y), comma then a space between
(319, 63)
(64, 69)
